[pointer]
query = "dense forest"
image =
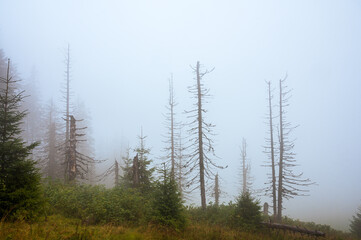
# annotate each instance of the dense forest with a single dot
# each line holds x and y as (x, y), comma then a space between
(51, 187)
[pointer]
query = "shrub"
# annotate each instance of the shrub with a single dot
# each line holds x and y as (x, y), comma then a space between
(96, 204)
(213, 214)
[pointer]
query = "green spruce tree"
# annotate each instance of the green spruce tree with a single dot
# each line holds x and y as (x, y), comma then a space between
(127, 176)
(20, 194)
(355, 226)
(168, 206)
(144, 171)
(247, 214)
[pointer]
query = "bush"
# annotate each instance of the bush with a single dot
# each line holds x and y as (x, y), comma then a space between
(213, 215)
(96, 204)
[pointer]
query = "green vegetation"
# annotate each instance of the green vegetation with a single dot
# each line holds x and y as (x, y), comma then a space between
(96, 204)
(59, 227)
(95, 212)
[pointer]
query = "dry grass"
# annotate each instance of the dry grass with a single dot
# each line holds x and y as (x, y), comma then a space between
(57, 227)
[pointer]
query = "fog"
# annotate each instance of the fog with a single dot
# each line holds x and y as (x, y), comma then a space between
(123, 53)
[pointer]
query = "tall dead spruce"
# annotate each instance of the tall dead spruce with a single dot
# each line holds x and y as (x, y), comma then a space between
(289, 183)
(172, 133)
(270, 150)
(245, 168)
(78, 163)
(200, 165)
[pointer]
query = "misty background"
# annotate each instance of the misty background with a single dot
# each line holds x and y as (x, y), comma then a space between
(124, 52)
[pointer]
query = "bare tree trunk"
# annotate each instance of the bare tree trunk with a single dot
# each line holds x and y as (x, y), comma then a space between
(274, 196)
(280, 176)
(216, 191)
(244, 167)
(200, 141)
(136, 171)
(116, 171)
(171, 105)
(72, 151)
(180, 165)
(67, 130)
(200, 163)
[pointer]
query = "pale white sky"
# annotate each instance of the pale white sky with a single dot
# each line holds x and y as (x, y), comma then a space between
(123, 53)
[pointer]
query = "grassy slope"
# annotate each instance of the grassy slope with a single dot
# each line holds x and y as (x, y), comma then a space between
(57, 227)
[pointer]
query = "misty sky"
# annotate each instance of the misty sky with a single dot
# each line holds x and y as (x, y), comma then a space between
(123, 53)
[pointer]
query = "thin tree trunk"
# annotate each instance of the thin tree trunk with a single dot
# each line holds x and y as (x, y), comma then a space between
(67, 130)
(135, 171)
(200, 141)
(72, 151)
(244, 167)
(274, 197)
(216, 191)
(171, 104)
(116, 171)
(280, 176)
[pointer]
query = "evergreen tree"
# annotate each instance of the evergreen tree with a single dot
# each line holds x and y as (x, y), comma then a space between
(19, 179)
(127, 176)
(168, 207)
(32, 126)
(52, 156)
(355, 226)
(247, 214)
(145, 172)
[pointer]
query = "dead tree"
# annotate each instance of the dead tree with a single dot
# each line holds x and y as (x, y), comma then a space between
(296, 229)
(78, 163)
(172, 126)
(245, 169)
(72, 171)
(66, 92)
(116, 173)
(289, 183)
(112, 170)
(270, 151)
(181, 156)
(67, 112)
(136, 171)
(200, 165)
(216, 191)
